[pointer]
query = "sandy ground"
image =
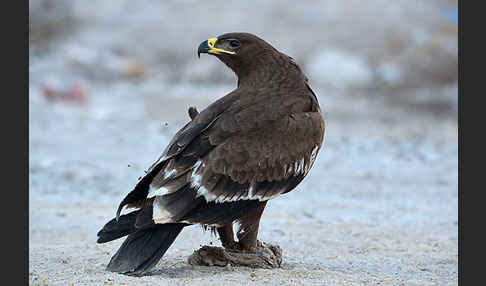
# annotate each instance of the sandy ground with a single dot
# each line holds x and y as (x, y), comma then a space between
(378, 207)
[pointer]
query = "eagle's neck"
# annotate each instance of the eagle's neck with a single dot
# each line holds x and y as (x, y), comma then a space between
(266, 70)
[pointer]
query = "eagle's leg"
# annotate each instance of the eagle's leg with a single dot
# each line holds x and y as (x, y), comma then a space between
(227, 236)
(248, 251)
(248, 232)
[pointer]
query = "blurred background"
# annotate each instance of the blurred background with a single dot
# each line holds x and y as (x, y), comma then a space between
(110, 83)
(384, 68)
(405, 51)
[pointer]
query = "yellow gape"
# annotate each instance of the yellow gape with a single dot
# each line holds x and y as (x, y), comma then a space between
(213, 50)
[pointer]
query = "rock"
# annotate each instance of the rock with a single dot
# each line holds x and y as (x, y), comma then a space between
(269, 257)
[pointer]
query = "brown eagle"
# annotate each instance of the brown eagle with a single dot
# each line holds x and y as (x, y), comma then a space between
(252, 145)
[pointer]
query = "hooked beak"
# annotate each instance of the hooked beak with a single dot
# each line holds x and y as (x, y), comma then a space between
(207, 47)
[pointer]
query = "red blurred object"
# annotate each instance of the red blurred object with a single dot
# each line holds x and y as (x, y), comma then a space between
(74, 94)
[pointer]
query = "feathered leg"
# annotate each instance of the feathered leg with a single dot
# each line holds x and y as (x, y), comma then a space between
(248, 232)
(227, 236)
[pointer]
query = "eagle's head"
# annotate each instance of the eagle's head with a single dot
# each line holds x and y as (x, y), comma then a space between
(242, 52)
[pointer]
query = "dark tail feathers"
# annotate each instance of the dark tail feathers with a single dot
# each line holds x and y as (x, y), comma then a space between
(143, 248)
(146, 242)
(116, 229)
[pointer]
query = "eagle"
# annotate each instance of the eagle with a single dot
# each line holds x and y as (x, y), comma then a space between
(254, 144)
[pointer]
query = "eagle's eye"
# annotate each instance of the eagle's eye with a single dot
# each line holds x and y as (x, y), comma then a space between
(234, 43)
